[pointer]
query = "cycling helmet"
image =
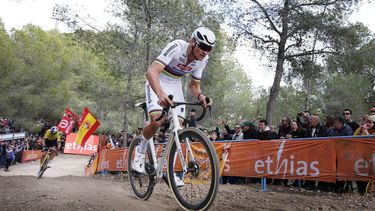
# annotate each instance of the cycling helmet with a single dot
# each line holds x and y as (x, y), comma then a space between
(204, 37)
(53, 129)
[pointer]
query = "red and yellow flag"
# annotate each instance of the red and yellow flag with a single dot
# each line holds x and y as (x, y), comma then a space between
(86, 126)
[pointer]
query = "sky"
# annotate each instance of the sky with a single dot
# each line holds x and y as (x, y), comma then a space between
(17, 13)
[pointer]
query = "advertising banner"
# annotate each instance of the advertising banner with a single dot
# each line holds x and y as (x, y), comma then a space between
(30, 155)
(355, 159)
(285, 159)
(91, 146)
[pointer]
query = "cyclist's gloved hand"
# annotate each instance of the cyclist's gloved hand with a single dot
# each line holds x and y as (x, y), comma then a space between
(45, 148)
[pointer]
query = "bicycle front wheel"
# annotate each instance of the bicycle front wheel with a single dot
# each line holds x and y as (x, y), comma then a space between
(43, 167)
(142, 184)
(196, 189)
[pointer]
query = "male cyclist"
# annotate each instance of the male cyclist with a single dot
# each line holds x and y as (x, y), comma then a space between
(51, 140)
(176, 60)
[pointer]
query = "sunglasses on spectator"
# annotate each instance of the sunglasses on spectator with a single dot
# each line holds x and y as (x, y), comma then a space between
(345, 113)
(204, 47)
(237, 127)
(372, 111)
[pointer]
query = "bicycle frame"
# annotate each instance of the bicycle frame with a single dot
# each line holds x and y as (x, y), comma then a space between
(174, 128)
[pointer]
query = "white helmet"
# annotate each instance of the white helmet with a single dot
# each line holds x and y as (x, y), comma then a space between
(204, 37)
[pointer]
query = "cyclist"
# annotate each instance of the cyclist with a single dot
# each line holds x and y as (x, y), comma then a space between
(177, 59)
(51, 140)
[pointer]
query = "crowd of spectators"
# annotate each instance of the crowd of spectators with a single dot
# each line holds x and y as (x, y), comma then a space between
(304, 125)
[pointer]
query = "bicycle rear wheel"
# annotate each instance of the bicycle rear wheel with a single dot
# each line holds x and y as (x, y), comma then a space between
(43, 167)
(201, 181)
(142, 184)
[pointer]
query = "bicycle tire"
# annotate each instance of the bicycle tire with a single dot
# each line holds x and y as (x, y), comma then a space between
(43, 167)
(206, 186)
(136, 178)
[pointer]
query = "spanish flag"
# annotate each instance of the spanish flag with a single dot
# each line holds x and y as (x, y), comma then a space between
(86, 126)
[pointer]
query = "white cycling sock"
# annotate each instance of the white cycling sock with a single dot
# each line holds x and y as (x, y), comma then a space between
(142, 148)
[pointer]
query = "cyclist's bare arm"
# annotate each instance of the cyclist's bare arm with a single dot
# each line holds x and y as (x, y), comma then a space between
(152, 74)
(195, 90)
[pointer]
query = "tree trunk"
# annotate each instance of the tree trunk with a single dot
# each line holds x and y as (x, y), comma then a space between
(271, 104)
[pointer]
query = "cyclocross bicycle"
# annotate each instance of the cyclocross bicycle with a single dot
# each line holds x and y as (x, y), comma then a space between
(44, 165)
(190, 157)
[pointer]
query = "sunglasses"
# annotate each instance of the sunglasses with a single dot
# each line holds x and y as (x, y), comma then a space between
(204, 47)
(372, 111)
(345, 113)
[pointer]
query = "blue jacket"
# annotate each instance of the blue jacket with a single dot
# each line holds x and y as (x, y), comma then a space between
(10, 154)
(346, 130)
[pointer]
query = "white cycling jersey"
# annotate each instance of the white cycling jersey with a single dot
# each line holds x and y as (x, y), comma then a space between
(174, 57)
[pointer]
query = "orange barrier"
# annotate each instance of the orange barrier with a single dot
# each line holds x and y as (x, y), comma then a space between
(326, 159)
(116, 159)
(91, 145)
(113, 160)
(356, 159)
(30, 155)
(290, 159)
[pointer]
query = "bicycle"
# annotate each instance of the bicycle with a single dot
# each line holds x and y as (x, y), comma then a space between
(44, 165)
(190, 156)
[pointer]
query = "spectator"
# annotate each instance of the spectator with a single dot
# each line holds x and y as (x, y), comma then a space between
(315, 129)
(284, 127)
(328, 122)
(2, 154)
(296, 131)
(349, 120)
(340, 128)
(367, 127)
(225, 135)
(264, 132)
(303, 119)
(238, 135)
(129, 138)
(9, 156)
(213, 136)
(248, 130)
(192, 120)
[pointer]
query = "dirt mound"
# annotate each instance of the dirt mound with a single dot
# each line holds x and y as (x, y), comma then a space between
(57, 191)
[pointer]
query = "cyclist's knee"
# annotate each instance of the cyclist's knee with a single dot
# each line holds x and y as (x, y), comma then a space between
(153, 123)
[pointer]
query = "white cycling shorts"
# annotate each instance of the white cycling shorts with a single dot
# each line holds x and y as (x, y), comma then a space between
(173, 87)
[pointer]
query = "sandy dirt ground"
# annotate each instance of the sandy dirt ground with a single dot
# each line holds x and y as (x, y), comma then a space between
(63, 187)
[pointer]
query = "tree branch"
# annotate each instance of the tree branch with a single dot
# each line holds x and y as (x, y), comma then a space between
(267, 16)
(308, 53)
(316, 3)
(257, 37)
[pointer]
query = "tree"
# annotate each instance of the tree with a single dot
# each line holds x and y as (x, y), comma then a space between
(285, 30)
